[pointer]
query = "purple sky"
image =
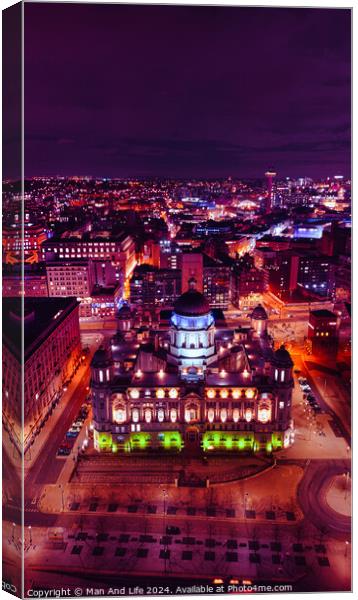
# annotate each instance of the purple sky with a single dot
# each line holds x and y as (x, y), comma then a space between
(115, 90)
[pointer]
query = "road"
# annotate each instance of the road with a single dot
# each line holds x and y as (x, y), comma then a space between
(312, 497)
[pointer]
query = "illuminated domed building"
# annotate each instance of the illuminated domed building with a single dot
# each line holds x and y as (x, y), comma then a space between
(195, 385)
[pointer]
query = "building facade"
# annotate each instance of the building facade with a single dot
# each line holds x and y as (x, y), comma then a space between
(193, 386)
(119, 250)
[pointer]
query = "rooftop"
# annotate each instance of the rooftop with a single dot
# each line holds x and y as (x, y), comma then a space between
(41, 317)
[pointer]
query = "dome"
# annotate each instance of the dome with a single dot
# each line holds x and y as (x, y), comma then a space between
(282, 357)
(191, 304)
(101, 358)
(259, 313)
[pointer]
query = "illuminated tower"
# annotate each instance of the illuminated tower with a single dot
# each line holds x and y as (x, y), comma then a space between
(192, 332)
(270, 174)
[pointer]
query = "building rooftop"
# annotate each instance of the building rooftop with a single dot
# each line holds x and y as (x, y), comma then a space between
(41, 317)
(323, 313)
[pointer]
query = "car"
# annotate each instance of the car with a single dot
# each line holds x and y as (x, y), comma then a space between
(63, 451)
(297, 371)
(72, 433)
(77, 424)
(172, 530)
(302, 380)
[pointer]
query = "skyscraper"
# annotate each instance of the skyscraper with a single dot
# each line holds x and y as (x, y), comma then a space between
(270, 175)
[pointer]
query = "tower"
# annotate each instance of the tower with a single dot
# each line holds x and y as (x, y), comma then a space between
(101, 378)
(192, 332)
(270, 175)
(259, 321)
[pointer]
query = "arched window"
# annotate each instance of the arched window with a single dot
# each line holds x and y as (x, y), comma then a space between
(211, 415)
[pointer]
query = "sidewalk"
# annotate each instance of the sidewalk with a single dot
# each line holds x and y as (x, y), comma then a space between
(41, 439)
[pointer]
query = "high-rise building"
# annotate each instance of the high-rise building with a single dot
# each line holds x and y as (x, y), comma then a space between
(52, 352)
(323, 333)
(119, 250)
(216, 282)
(269, 200)
(154, 288)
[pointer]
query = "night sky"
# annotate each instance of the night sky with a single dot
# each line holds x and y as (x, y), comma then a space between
(115, 90)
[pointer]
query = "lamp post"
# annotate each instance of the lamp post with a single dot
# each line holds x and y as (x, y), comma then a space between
(30, 534)
(346, 550)
(13, 532)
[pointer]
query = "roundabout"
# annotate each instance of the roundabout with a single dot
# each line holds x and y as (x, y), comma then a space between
(324, 499)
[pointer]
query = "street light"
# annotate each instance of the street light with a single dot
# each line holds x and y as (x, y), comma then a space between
(13, 532)
(30, 533)
(346, 551)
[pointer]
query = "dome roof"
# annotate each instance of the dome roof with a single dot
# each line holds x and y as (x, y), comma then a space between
(101, 358)
(259, 313)
(283, 357)
(191, 304)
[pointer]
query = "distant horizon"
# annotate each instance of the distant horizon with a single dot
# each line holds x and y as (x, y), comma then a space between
(158, 89)
(179, 178)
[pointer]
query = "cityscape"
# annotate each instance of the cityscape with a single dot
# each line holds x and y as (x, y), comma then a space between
(176, 348)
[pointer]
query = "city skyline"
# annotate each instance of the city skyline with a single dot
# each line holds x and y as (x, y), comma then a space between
(135, 104)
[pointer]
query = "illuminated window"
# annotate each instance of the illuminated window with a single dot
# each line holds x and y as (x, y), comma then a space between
(135, 415)
(236, 415)
(211, 415)
(147, 415)
(211, 393)
(160, 415)
(190, 414)
(276, 374)
(281, 405)
(160, 393)
(282, 375)
(248, 415)
(250, 393)
(134, 394)
(236, 393)
(264, 414)
(101, 376)
(173, 393)
(173, 415)
(119, 414)
(224, 394)
(223, 415)
(107, 373)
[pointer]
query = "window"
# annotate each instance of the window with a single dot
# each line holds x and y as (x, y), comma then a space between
(101, 376)
(282, 375)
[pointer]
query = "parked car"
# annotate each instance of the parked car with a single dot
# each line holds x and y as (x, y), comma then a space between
(72, 433)
(63, 450)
